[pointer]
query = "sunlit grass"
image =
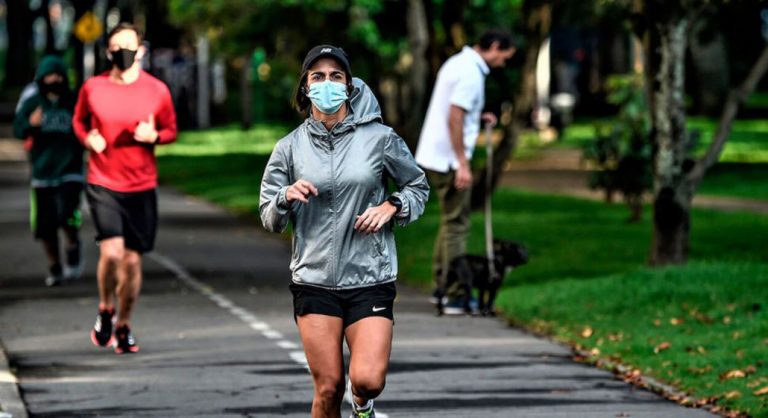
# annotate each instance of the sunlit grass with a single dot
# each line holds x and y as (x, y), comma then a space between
(227, 140)
(748, 141)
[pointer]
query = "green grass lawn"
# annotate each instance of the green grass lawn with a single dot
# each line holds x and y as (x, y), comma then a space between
(748, 142)
(587, 269)
(745, 180)
(712, 317)
(742, 171)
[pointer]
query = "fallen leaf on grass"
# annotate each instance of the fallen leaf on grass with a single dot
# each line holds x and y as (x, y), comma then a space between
(704, 319)
(657, 323)
(700, 370)
(761, 392)
(676, 321)
(733, 374)
(694, 350)
(750, 369)
(661, 347)
(587, 332)
(732, 394)
(726, 320)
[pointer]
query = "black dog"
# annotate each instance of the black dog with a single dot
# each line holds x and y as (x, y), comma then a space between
(473, 271)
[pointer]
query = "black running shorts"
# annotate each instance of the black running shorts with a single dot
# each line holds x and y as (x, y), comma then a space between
(132, 216)
(55, 207)
(351, 305)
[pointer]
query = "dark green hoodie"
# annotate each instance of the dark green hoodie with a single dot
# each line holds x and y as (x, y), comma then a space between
(56, 154)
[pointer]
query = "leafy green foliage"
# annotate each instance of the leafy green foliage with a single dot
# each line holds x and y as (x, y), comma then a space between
(622, 149)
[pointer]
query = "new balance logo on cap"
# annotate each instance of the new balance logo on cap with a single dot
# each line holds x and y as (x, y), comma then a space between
(375, 309)
(324, 50)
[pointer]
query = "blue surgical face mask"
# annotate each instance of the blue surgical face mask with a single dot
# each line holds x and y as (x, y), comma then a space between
(328, 96)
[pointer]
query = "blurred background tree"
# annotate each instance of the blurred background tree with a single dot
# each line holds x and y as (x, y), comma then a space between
(621, 151)
(238, 60)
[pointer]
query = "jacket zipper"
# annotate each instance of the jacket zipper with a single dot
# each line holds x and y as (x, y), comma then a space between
(333, 211)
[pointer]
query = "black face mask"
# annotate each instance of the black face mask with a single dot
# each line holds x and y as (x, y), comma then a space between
(123, 58)
(57, 88)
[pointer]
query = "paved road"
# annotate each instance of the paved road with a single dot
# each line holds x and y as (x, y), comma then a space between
(218, 340)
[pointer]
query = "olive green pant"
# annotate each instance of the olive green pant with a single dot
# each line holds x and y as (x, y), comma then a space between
(451, 241)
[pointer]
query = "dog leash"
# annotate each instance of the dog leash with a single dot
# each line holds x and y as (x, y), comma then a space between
(488, 192)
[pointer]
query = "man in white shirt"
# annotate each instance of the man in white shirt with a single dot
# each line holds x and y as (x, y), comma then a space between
(445, 149)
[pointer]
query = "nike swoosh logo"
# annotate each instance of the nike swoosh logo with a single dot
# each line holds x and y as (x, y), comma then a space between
(375, 309)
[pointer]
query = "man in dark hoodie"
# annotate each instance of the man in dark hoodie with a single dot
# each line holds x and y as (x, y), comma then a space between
(56, 157)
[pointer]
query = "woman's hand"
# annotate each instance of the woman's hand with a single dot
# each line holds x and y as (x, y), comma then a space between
(301, 190)
(374, 218)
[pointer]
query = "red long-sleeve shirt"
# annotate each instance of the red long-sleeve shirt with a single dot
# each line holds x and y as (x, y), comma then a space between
(115, 110)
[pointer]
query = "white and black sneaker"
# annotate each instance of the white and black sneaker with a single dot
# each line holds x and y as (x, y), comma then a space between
(101, 334)
(124, 341)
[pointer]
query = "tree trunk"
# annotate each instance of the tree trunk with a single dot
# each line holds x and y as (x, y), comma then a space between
(672, 192)
(537, 22)
(18, 63)
(418, 39)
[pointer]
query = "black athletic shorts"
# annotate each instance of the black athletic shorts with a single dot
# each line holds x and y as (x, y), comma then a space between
(132, 216)
(351, 305)
(55, 207)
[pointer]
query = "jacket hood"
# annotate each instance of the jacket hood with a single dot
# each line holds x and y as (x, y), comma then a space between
(50, 64)
(364, 108)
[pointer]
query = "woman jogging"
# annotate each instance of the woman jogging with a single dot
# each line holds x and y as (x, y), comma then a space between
(329, 178)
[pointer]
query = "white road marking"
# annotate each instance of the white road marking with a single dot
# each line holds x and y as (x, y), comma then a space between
(6, 377)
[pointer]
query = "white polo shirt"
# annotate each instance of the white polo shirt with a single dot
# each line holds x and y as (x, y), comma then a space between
(460, 82)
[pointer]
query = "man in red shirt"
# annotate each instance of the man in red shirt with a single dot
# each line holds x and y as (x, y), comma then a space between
(120, 116)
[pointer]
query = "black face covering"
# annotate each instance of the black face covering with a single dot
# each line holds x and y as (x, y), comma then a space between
(57, 88)
(123, 58)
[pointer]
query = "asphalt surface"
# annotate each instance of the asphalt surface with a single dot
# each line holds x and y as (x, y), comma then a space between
(217, 337)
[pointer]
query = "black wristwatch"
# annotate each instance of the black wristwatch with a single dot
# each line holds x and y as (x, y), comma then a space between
(396, 202)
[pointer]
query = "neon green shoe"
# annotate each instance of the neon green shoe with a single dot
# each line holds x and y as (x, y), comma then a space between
(366, 413)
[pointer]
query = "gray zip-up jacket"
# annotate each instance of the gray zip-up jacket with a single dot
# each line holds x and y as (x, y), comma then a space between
(350, 167)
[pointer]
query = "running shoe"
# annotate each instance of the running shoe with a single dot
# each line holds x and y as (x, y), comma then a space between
(55, 276)
(436, 297)
(124, 341)
(74, 272)
(101, 334)
(460, 306)
(365, 413)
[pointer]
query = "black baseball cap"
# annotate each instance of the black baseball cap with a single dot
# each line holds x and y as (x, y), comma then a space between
(330, 51)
